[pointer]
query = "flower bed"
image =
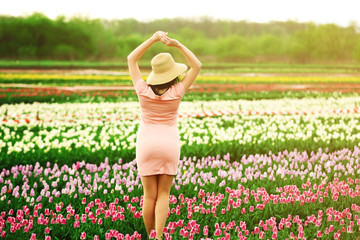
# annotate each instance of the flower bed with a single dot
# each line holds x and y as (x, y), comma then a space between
(277, 196)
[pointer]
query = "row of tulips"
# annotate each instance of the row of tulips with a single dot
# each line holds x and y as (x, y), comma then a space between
(289, 195)
(43, 92)
(114, 116)
(81, 79)
(202, 92)
(117, 68)
(265, 105)
(31, 91)
(82, 130)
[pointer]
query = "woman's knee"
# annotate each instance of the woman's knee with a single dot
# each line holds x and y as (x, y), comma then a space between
(150, 188)
(150, 197)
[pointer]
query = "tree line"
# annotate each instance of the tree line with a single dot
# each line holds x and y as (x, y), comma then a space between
(79, 38)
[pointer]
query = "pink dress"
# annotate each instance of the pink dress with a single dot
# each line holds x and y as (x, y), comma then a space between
(158, 139)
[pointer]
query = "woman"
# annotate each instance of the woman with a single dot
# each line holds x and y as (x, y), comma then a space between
(158, 140)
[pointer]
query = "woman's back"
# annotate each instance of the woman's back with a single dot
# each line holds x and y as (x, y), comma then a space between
(159, 110)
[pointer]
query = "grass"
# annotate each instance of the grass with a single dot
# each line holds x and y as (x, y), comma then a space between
(207, 66)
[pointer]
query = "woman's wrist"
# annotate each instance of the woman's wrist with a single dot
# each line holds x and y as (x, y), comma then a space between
(179, 45)
(153, 39)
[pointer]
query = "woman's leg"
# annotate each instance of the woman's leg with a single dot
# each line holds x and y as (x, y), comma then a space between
(150, 193)
(162, 202)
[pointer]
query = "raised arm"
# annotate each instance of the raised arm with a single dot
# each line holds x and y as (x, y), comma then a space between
(135, 55)
(195, 64)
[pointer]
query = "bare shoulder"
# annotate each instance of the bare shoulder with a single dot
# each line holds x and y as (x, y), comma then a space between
(137, 81)
(185, 87)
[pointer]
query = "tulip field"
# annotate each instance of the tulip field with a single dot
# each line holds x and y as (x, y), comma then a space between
(272, 164)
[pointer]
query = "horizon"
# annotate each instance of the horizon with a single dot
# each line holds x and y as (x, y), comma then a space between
(257, 11)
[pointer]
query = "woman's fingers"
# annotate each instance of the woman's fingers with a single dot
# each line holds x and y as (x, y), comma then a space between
(159, 34)
(165, 39)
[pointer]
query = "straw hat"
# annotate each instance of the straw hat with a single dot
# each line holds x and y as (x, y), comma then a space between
(164, 69)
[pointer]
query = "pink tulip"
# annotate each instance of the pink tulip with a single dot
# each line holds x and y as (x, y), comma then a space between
(58, 208)
(274, 236)
(281, 226)
(337, 236)
(222, 225)
(266, 227)
(83, 235)
(217, 232)
(137, 214)
(206, 230)
(107, 236)
(152, 234)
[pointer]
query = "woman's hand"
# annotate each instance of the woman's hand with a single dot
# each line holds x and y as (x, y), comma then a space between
(134, 56)
(158, 34)
(169, 41)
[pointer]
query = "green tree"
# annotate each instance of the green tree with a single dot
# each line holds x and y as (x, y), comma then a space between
(79, 38)
(302, 47)
(233, 48)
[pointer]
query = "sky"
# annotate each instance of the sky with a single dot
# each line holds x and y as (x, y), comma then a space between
(341, 12)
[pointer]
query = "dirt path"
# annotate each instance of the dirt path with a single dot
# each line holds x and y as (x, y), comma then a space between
(124, 72)
(331, 87)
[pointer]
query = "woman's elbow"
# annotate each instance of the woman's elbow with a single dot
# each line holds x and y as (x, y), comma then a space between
(130, 58)
(198, 65)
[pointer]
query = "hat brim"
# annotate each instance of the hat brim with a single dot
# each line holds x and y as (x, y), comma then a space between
(160, 78)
